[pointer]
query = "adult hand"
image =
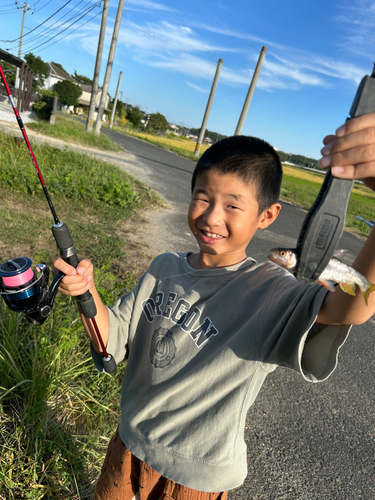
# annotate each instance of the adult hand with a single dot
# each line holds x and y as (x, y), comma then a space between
(350, 153)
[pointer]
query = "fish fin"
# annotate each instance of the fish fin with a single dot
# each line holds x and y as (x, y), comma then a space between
(348, 288)
(367, 292)
(330, 285)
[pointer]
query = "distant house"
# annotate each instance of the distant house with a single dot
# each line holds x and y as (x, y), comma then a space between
(85, 98)
(174, 128)
(56, 74)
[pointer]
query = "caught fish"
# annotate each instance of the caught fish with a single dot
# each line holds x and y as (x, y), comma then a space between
(335, 272)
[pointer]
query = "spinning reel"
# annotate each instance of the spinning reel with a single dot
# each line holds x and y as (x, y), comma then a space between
(25, 292)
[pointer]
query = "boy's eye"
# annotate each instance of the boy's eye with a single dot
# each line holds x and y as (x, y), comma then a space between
(232, 206)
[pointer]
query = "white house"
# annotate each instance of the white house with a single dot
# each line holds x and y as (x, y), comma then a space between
(58, 75)
(55, 74)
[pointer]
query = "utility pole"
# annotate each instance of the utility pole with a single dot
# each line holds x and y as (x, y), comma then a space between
(115, 102)
(108, 71)
(250, 93)
(208, 109)
(95, 82)
(25, 7)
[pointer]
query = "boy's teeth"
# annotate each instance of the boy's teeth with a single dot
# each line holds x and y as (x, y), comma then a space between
(212, 235)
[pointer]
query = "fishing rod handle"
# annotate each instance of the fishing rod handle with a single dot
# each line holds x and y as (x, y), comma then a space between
(68, 253)
(325, 222)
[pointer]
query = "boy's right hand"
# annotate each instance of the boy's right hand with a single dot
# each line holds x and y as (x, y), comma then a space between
(77, 280)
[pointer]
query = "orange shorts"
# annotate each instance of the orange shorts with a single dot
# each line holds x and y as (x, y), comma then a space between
(125, 477)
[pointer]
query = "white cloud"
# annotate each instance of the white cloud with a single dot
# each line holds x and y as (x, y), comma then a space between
(196, 87)
(358, 21)
(145, 4)
(178, 49)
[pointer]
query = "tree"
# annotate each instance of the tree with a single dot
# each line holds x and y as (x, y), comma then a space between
(157, 123)
(68, 92)
(135, 116)
(81, 79)
(214, 136)
(10, 72)
(39, 68)
(120, 108)
(43, 106)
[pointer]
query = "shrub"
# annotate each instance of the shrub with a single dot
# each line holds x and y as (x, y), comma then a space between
(43, 106)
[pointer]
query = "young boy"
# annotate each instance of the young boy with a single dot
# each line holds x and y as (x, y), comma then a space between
(200, 332)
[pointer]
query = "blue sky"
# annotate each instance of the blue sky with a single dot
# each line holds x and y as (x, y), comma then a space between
(317, 52)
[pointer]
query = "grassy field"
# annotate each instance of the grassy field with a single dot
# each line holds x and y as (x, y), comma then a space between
(180, 145)
(56, 412)
(301, 188)
(72, 130)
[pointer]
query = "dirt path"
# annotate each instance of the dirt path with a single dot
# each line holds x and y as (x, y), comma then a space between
(145, 240)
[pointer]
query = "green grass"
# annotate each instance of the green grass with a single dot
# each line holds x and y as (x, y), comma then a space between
(176, 144)
(301, 188)
(91, 196)
(73, 131)
(56, 411)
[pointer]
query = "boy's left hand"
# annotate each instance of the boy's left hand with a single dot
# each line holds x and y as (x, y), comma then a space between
(351, 152)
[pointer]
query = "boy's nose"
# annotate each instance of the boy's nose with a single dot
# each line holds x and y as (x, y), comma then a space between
(213, 216)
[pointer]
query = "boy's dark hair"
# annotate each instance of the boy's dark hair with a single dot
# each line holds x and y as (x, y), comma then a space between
(252, 159)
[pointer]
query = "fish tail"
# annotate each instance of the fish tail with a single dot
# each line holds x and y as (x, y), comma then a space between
(366, 293)
(348, 288)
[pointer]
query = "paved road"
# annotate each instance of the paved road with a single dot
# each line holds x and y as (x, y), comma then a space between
(305, 441)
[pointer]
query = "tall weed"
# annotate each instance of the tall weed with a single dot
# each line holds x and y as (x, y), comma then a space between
(67, 174)
(54, 406)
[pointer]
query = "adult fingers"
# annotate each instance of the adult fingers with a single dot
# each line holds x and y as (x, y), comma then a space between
(329, 138)
(356, 124)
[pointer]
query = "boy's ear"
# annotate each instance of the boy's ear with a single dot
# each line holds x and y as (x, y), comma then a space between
(269, 215)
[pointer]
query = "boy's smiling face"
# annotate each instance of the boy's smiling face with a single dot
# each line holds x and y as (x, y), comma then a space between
(224, 216)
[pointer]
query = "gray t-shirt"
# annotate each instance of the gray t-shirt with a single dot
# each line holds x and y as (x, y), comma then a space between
(199, 345)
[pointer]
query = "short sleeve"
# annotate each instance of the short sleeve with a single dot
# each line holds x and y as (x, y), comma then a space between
(320, 350)
(291, 338)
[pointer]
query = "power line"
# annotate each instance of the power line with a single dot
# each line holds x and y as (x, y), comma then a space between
(8, 12)
(62, 31)
(78, 27)
(45, 5)
(50, 28)
(41, 24)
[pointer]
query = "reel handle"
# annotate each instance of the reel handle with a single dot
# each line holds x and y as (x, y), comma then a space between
(68, 252)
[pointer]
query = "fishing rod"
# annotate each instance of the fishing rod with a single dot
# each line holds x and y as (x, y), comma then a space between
(22, 290)
(325, 222)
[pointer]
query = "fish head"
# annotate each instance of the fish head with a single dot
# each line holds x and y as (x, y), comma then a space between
(284, 257)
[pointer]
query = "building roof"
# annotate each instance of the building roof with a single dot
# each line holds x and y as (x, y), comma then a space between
(56, 71)
(85, 88)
